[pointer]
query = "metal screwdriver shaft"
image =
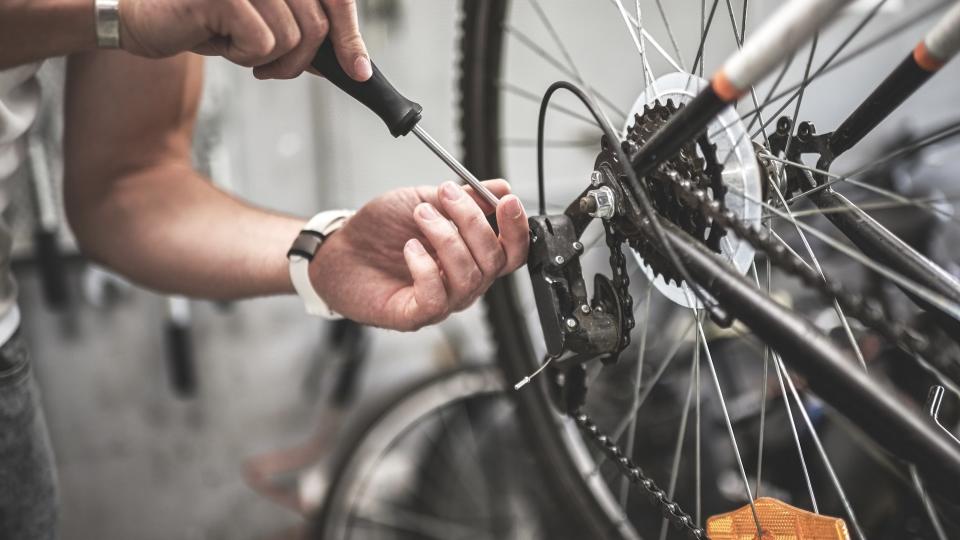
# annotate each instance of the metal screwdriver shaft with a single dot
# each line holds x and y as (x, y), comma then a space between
(399, 113)
(455, 165)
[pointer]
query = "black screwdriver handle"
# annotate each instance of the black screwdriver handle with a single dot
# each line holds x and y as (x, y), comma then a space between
(397, 112)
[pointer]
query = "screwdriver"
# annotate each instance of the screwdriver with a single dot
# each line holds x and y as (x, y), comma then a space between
(400, 114)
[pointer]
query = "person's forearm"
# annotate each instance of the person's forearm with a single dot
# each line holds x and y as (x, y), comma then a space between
(167, 228)
(32, 30)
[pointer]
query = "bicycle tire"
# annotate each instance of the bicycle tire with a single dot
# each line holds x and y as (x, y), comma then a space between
(481, 61)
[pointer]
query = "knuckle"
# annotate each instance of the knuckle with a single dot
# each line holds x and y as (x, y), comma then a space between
(315, 27)
(477, 220)
(321, 26)
(474, 279)
(450, 240)
(287, 40)
(496, 261)
(341, 4)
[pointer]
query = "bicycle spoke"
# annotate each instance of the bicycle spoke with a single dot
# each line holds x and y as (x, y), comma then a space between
(766, 382)
(729, 424)
(673, 38)
(816, 263)
(825, 66)
(898, 198)
(403, 519)
(555, 143)
(939, 135)
(553, 61)
(698, 60)
(656, 44)
(678, 448)
(945, 304)
(631, 434)
(756, 113)
(927, 503)
(925, 203)
(820, 450)
(637, 41)
(796, 440)
(738, 36)
(698, 479)
(806, 79)
(622, 426)
(542, 15)
(534, 98)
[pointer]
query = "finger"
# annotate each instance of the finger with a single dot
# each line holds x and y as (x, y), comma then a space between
(347, 43)
(313, 25)
(514, 232)
(284, 27)
(463, 276)
(245, 36)
(429, 294)
(476, 232)
(497, 187)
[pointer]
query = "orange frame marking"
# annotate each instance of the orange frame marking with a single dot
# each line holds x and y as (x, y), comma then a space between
(925, 59)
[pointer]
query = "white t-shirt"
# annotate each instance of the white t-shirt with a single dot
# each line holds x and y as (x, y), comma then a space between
(19, 106)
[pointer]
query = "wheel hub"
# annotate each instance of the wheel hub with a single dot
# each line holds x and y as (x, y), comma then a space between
(721, 162)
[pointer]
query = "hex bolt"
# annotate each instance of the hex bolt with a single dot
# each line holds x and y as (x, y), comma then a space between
(559, 259)
(599, 203)
(585, 309)
(588, 204)
(578, 247)
(571, 323)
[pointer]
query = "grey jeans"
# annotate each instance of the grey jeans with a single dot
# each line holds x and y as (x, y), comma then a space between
(28, 489)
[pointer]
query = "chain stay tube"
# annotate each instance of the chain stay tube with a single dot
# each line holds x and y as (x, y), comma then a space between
(836, 378)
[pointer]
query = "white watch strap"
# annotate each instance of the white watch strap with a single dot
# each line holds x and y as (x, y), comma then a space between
(324, 223)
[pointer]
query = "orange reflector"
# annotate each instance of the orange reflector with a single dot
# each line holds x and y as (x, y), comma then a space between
(778, 521)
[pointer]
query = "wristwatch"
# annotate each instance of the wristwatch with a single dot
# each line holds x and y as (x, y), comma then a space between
(108, 23)
(302, 252)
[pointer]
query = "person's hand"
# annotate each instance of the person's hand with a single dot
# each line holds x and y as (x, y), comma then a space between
(413, 256)
(278, 38)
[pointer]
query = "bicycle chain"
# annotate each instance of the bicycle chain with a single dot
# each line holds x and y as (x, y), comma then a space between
(868, 312)
(670, 509)
(621, 282)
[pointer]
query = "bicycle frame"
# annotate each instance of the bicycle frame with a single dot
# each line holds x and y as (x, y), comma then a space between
(835, 377)
(869, 403)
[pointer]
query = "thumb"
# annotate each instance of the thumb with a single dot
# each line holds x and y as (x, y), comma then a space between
(347, 43)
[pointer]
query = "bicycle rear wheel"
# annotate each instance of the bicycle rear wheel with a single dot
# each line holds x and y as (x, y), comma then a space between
(593, 483)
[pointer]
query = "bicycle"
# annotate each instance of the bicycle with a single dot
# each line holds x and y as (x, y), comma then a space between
(694, 192)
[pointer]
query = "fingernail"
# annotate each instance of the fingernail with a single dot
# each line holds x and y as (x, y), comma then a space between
(414, 246)
(513, 207)
(362, 68)
(427, 211)
(451, 191)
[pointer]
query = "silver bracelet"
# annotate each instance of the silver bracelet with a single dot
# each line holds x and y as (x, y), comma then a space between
(108, 23)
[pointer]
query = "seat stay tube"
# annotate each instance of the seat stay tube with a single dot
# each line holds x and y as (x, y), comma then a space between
(937, 47)
(836, 378)
(789, 28)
